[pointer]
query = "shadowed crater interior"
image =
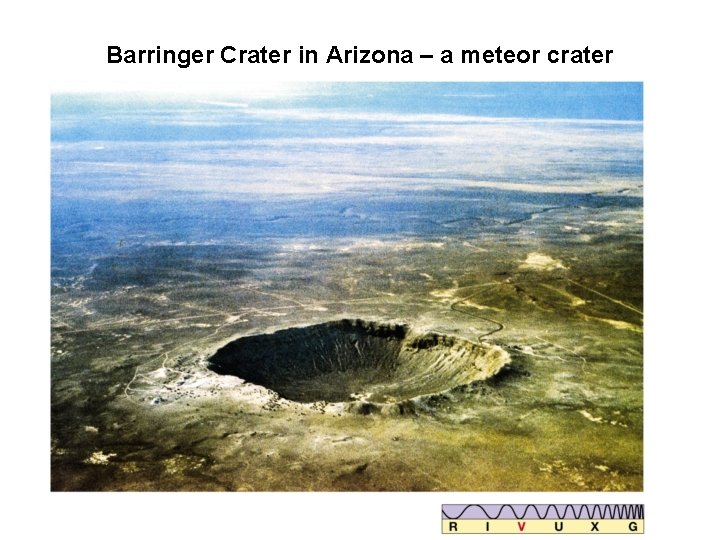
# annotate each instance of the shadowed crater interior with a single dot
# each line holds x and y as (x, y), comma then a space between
(356, 360)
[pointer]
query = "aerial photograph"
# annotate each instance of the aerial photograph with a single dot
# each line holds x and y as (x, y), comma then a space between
(348, 287)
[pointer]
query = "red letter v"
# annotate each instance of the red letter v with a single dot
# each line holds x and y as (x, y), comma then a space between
(521, 526)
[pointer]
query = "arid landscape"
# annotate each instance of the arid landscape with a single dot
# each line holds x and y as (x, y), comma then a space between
(366, 287)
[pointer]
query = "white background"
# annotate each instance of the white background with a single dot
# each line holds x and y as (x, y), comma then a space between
(62, 47)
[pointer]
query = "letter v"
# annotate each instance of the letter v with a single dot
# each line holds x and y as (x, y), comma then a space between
(521, 526)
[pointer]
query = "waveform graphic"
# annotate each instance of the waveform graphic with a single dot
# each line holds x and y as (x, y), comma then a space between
(543, 511)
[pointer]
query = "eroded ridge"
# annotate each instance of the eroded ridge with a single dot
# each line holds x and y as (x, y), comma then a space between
(367, 363)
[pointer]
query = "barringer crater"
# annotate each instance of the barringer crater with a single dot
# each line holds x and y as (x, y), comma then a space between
(365, 363)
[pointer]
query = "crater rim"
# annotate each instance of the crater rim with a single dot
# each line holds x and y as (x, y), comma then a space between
(364, 365)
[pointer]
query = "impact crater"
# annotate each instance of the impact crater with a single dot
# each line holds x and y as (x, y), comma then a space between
(358, 361)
